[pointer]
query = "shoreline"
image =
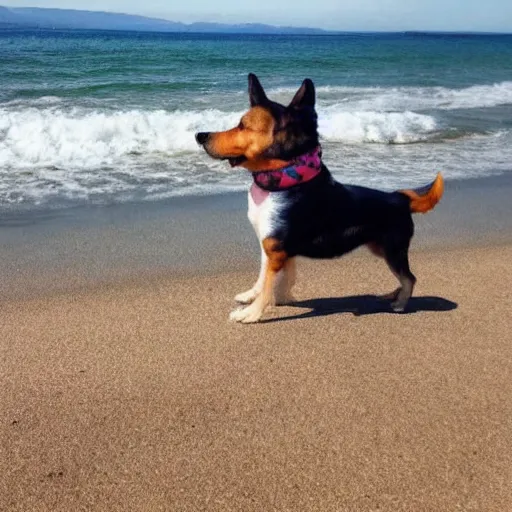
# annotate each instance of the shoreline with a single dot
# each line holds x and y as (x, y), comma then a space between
(49, 252)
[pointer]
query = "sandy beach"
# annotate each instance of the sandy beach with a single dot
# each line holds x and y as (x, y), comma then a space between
(131, 390)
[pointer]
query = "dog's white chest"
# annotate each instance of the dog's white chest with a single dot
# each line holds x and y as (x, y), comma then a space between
(263, 211)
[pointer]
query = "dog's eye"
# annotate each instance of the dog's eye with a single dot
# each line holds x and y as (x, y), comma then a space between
(241, 125)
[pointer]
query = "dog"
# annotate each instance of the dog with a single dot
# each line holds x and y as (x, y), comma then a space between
(298, 209)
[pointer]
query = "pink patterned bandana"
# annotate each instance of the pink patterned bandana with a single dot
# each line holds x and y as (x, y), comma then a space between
(300, 170)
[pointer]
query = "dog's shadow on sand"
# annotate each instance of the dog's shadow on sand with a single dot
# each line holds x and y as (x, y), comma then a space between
(360, 305)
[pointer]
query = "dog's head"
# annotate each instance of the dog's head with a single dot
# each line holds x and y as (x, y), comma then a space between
(269, 134)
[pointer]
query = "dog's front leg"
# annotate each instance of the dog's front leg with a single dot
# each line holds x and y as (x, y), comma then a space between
(285, 282)
(276, 259)
(249, 296)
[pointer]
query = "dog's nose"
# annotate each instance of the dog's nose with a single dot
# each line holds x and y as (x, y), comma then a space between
(202, 137)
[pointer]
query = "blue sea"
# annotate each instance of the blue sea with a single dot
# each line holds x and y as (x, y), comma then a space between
(95, 117)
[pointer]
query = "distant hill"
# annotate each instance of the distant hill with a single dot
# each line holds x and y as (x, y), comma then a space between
(11, 17)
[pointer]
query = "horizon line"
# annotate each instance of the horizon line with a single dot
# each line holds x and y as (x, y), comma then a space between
(328, 33)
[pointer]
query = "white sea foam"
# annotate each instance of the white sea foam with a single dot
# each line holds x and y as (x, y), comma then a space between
(53, 153)
(408, 98)
(77, 138)
(378, 127)
(91, 139)
(55, 136)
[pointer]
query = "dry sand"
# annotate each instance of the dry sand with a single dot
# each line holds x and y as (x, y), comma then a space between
(141, 395)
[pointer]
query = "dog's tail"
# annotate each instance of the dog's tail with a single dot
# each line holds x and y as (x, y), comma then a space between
(423, 199)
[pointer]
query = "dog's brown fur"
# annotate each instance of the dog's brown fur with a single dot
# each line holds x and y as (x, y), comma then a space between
(250, 138)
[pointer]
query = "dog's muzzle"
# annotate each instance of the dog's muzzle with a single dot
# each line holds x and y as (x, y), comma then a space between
(202, 138)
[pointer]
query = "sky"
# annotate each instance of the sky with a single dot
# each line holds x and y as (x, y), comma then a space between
(360, 15)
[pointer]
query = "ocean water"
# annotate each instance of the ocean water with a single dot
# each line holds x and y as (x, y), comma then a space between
(107, 117)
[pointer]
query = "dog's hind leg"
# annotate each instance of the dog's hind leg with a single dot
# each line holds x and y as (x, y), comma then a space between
(398, 262)
(377, 249)
(285, 282)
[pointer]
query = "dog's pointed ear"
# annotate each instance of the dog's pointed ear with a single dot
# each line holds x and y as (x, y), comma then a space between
(257, 95)
(305, 96)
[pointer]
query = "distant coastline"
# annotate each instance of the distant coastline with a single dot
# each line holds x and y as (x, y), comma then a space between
(33, 18)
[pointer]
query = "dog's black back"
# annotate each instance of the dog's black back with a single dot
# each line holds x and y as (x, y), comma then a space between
(325, 219)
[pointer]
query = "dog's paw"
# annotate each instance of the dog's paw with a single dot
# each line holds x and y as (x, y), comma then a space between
(247, 297)
(248, 315)
(398, 306)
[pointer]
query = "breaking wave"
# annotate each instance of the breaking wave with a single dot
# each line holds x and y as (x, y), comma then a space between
(90, 139)
(83, 139)
(53, 152)
(408, 98)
